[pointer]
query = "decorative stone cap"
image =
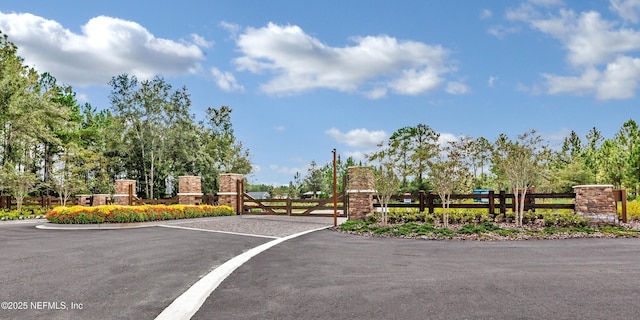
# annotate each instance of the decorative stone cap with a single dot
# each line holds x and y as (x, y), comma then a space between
(594, 186)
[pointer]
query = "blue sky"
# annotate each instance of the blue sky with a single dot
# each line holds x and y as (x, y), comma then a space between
(305, 77)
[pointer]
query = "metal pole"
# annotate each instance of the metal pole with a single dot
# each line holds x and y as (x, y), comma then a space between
(335, 190)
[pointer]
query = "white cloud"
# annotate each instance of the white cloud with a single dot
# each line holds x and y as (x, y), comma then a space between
(457, 88)
(232, 28)
(626, 9)
(287, 170)
(358, 155)
(105, 48)
(414, 82)
(557, 136)
(200, 41)
(601, 51)
(589, 39)
(446, 138)
(500, 31)
(486, 14)
(82, 98)
(225, 80)
(376, 93)
(620, 79)
(547, 3)
(358, 137)
(279, 128)
(492, 81)
(583, 84)
(299, 62)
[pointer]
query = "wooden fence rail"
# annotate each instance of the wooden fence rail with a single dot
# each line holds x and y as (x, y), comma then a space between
(8, 202)
(494, 201)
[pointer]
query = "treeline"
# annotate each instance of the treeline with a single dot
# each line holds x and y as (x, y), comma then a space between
(318, 181)
(52, 145)
(415, 159)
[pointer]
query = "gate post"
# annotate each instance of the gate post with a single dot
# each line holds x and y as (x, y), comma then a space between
(189, 190)
(99, 199)
(121, 197)
(361, 189)
(230, 193)
(597, 203)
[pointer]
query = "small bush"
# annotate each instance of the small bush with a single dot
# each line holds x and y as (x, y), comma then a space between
(633, 210)
(563, 220)
(25, 213)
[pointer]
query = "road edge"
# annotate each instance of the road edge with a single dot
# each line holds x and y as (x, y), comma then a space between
(189, 302)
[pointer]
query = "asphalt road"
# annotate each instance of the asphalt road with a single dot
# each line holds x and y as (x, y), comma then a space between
(137, 273)
(109, 274)
(330, 275)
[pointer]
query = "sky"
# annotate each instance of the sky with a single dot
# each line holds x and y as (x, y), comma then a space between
(305, 77)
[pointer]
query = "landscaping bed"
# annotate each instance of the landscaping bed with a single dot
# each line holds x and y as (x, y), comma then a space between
(557, 228)
(125, 214)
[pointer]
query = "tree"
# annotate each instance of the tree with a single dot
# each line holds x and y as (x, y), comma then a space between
(591, 151)
(522, 162)
(314, 181)
(220, 152)
(385, 178)
(480, 152)
(628, 140)
(411, 148)
(294, 186)
(610, 164)
(18, 181)
(148, 109)
(450, 172)
(71, 170)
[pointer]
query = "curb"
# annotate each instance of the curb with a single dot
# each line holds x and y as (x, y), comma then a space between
(99, 226)
(117, 226)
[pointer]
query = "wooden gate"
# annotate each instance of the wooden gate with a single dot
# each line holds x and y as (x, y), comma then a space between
(292, 207)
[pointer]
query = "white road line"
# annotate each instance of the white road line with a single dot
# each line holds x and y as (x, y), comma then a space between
(187, 304)
(216, 231)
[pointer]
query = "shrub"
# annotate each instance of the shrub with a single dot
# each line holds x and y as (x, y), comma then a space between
(633, 210)
(25, 213)
(124, 214)
(563, 219)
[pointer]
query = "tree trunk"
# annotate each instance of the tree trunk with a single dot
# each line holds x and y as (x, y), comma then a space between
(522, 199)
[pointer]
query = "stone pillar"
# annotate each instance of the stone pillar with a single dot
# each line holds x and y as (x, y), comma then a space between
(597, 203)
(100, 199)
(230, 194)
(189, 190)
(121, 197)
(83, 199)
(361, 190)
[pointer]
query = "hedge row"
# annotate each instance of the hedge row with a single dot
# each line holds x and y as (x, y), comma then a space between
(123, 214)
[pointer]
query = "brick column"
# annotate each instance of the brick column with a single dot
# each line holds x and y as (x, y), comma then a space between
(100, 199)
(189, 190)
(597, 203)
(229, 194)
(83, 199)
(121, 197)
(361, 190)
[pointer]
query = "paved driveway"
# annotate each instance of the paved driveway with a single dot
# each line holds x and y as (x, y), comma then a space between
(329, 275)
(137, 273)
